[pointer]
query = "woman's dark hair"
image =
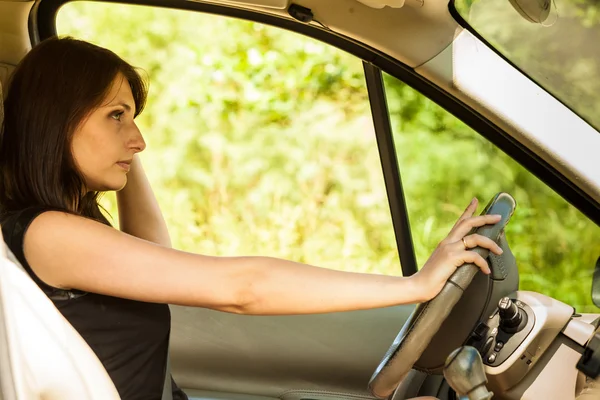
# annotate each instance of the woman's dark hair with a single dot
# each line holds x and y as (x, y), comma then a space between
(54, 88)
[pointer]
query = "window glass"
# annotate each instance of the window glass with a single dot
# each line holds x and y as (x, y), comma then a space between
(561, 53)
(444, 163)
(260, 140)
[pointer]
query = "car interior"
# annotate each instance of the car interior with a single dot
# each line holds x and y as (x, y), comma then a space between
(481, 336)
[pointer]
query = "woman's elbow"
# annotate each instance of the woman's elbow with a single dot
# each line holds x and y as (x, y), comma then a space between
(243, 289)
(241, 302)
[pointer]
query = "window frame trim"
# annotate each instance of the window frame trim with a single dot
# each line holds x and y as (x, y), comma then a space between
(390, 167)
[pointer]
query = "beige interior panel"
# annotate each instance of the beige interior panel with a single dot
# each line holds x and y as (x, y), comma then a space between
(589, 318)
(579, 331)
(14, 36)
(271, 356)
(413, 34)
(557, 365)
(551, 316)
(472, 72)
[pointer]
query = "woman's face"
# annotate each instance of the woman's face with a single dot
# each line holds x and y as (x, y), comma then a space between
(104, 144)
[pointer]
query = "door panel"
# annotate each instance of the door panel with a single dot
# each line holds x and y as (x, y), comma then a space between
(269, 356)
(206, 395)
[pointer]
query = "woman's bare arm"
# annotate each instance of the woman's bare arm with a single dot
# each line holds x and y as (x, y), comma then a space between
(139, 213)
(73, 252)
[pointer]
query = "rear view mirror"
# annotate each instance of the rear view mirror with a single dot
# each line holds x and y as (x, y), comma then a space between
(596, 285)
(536, 11)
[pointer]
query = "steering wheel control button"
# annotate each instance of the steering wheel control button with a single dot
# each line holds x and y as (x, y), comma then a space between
(511, 316)
(492, 358)
(519, 304)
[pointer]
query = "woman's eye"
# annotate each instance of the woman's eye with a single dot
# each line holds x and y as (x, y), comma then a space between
(117, 115)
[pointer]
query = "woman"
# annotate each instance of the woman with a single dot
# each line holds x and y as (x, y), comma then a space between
(68, 135)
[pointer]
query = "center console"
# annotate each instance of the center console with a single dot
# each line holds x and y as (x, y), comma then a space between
(528, 342)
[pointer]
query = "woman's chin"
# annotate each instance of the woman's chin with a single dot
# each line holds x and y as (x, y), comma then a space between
(120, 185)
(113, 186)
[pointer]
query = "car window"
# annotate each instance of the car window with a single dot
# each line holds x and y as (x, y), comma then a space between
(444, 163)
(260, 140)
(560, 52)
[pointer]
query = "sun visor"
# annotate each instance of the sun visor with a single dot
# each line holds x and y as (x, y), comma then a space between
(383, 3)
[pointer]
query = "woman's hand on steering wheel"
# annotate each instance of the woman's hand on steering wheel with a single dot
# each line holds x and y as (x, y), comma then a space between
(454, 251)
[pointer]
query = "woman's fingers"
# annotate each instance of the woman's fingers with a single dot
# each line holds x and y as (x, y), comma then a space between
(467, 213)
(474, 258)
(466, 225)
(476, 240)
(455, 249)
(464, 254)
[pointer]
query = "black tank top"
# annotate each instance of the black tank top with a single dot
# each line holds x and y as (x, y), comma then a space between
(129, 337)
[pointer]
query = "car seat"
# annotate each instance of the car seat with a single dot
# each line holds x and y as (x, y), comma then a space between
(41, 355)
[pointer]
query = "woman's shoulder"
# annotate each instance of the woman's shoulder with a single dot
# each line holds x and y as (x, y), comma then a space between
(15, 222)
(14, 225)
(13, 219)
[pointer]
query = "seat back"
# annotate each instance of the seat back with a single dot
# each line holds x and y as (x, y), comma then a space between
(41, 355)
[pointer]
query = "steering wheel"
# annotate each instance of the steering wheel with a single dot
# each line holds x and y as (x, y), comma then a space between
(427, 318)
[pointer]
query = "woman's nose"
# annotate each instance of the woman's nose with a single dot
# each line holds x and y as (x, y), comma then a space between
(137, 141)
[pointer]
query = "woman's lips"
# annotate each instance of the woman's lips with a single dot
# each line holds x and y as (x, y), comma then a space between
(124, 165)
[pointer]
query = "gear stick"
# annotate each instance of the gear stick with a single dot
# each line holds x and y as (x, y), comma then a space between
(465, 374)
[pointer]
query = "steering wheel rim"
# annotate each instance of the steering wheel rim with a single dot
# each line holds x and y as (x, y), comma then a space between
(427, 318)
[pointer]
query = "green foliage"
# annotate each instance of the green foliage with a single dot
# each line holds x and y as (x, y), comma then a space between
(443, 166)
(260, 141)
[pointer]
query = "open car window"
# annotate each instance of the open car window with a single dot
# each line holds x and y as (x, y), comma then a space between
(443, 163)
(268, 144)
(556, 46)
(260, 140)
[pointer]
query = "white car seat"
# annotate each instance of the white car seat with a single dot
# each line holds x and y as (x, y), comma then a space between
(41, 355)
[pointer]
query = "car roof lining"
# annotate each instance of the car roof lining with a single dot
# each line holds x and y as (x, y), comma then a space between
(432, 24)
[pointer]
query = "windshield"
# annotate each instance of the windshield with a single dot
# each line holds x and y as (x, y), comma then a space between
(560, 51)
